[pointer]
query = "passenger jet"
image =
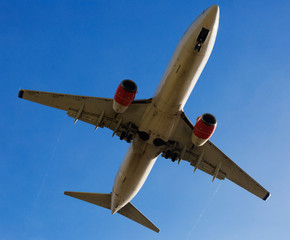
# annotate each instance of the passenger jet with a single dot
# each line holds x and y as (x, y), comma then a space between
(156, 126)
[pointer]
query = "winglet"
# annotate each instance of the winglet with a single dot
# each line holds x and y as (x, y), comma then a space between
(267, 196)
(20, 93)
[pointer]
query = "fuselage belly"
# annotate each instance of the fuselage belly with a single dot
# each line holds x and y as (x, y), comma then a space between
(178, 81)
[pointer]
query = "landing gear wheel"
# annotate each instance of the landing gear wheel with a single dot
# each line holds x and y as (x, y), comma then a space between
(174, 157)
(167, 154)
(129, 138)
(122, 135)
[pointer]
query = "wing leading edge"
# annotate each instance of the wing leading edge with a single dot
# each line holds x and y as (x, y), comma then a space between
(213, 161)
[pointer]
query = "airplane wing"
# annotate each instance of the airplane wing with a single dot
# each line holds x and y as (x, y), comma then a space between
(212, 160)
(93, 110)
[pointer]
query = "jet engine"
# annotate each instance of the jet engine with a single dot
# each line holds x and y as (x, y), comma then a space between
(124, 95)
(203, 129)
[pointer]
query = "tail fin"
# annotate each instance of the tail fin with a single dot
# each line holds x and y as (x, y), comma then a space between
(104, 200)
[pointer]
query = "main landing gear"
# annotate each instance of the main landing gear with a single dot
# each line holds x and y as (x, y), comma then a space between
(128, 136)
(170, 154)
(127, 132)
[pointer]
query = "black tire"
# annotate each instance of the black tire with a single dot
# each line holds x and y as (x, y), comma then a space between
(129, 138)
(122, 135)
(167, 154)
(174, 157)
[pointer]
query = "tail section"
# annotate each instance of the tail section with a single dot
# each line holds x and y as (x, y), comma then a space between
(104, 200)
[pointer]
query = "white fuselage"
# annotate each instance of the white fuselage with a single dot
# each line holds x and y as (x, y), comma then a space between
(168, 101)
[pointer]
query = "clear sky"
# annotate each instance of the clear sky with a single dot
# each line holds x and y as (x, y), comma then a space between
(87, 48)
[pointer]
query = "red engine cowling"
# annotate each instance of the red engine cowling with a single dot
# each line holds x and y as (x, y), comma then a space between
(124, 95)
(204, 128)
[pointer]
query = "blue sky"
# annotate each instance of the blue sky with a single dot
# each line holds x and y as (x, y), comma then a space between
(87, 48)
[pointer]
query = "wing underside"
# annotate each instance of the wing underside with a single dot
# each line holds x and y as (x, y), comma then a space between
(92, 110)
(212, 160)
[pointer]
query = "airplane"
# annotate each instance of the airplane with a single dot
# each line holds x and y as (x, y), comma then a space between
(156, 126)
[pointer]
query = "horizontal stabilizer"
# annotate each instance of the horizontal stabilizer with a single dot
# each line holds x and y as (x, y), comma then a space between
(104, 200)
(100, 199)
(134, 214)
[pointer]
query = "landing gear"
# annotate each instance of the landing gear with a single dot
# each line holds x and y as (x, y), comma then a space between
(123, 134)
(201, 39)
(129, 137)
(170, 154)
(174, 157)
(158, 142)
(197, 47)
(167, 154)
(144, 136)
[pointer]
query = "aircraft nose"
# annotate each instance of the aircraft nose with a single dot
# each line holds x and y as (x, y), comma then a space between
(213, 11)
(210, 17)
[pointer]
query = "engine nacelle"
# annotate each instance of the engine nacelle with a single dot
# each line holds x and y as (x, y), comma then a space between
(203, 129)
(124, 95)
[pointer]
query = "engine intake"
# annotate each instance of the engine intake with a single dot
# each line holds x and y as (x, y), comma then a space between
(124, 95)
(204, 128)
